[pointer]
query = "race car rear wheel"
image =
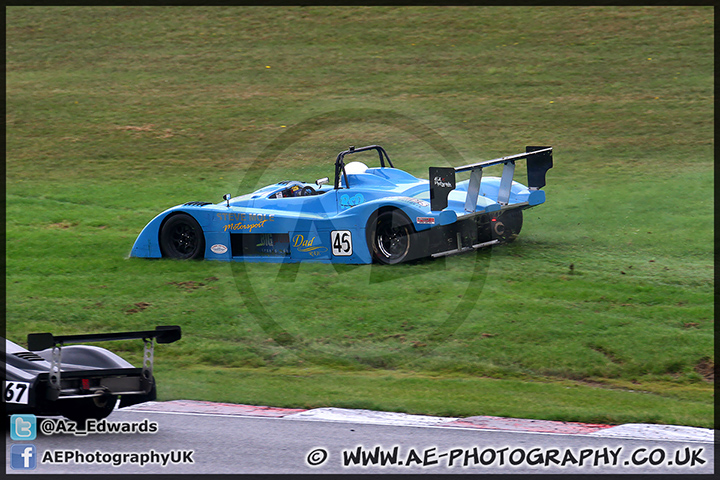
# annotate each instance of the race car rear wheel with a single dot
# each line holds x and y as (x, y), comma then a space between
(506, 226)
(79, 410)
(182, 237)
(392, 237)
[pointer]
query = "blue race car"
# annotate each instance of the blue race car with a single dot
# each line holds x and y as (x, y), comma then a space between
(379, 214)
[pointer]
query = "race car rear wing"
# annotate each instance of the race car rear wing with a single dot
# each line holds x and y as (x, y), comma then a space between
(162, 334)
(42, 341)
(442, 179)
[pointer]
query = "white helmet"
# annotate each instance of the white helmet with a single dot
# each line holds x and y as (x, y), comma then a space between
(353, 168)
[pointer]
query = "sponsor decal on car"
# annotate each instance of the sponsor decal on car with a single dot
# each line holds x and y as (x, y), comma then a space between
(245, 217)
(308, 245)
(346, 201)
(425, 220)
(219, 248)
(233, 227)
(413, 201)
(247, 221)
(441, 182)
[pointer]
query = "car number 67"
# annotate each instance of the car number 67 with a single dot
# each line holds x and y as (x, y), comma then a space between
(341, 241)
(16, 392)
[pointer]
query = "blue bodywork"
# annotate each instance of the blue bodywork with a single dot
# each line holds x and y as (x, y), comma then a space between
(331, 223)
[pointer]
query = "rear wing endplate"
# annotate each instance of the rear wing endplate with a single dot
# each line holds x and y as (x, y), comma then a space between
(442, 179)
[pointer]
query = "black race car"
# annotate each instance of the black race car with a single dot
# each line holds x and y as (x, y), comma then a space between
(78, 381)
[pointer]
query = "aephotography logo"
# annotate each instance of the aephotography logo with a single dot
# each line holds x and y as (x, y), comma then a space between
(356, 303)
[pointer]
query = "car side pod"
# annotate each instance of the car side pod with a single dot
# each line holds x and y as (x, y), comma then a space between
(43, 341)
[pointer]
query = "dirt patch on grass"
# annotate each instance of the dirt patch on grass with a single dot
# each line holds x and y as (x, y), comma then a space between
(192, 285)
(149, 128)
(62, 225)
(706, 368)
(189, 285)
(609, 355)
(138, 307)
(133, 128)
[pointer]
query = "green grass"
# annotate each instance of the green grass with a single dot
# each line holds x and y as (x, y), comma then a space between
(601, 311)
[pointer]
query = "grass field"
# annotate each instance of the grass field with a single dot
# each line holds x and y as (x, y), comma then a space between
(601, 311)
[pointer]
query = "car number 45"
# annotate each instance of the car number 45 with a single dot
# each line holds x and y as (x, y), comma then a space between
(341, 241)
(16, 392)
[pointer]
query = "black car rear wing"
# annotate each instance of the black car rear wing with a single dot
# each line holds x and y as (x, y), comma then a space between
(162, 334)
(442, 179)
(42, 341)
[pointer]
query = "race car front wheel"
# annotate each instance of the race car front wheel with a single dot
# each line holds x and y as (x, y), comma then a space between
(182, 237)
(392, 237)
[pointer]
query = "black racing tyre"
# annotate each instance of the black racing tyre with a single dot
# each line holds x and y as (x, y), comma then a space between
(506, 227)
(182, 237)
(392, 237)
(80, 409)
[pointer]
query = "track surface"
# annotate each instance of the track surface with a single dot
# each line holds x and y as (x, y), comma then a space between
(226, 438)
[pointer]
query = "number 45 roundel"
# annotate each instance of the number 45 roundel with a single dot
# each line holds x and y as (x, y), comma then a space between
(341, 243)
